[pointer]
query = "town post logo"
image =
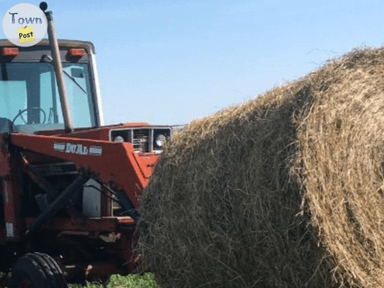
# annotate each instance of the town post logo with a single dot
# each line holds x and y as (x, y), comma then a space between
(25, 24)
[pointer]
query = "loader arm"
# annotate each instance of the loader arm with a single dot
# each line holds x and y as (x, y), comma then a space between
(113, 164)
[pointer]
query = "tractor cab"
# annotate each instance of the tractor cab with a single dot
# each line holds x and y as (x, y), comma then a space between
(30, 96)
(30, 99)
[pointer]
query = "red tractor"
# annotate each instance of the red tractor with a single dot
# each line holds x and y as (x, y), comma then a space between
(69, 185)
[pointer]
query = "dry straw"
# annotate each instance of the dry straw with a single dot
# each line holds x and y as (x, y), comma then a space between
(282, 191)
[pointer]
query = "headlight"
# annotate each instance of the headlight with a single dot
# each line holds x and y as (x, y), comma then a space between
(118, 139)
(160, 140)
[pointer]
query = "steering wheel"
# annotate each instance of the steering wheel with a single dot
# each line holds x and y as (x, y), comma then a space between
(20, 114)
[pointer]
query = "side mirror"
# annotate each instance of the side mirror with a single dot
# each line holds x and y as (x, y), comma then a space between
(77, 72)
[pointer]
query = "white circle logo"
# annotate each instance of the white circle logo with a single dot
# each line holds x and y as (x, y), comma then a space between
(24, 24)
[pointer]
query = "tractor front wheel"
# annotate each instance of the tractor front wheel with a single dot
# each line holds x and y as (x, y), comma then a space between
(37, 270)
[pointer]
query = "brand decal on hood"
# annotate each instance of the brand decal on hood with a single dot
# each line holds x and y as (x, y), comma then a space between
(79, 149)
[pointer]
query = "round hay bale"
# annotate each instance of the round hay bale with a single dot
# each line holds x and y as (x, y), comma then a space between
(282, 191)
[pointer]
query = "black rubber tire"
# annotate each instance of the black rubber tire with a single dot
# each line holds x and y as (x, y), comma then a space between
(37, 270)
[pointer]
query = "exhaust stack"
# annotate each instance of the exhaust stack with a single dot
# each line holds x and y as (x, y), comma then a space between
(58, 69)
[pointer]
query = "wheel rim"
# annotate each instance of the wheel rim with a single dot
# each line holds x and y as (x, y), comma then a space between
(25, 283)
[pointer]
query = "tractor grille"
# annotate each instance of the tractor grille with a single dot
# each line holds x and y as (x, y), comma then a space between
(148, 139)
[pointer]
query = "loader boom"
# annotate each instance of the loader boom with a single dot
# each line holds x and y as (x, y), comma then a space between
(91, 157)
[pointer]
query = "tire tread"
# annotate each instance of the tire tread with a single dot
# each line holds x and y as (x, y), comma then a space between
(40, 268)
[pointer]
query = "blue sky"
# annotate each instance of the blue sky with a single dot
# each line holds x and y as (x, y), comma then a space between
(169, 62)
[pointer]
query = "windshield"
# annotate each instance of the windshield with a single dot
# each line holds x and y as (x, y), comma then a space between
(29, 96)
